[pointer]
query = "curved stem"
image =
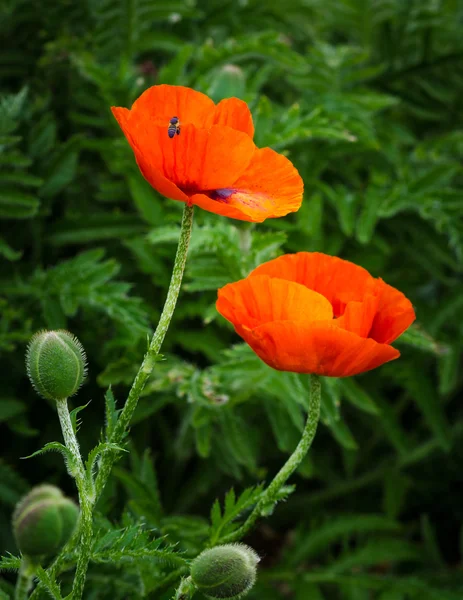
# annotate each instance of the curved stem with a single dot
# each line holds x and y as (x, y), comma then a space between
(86, 499)
(24, 581)
(289, 467)
(150, 357)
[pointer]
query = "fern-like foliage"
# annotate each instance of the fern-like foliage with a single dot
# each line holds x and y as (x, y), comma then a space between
(364, 97)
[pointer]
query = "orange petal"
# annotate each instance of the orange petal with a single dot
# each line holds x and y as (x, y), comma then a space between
(316, 347)
(159, 103)
(195, 160)
(122, 116)
(340, 281)
(394, 315)
(270, 187)
(257, 300)
(358, 316)
(146, 161)
(221, 208)
(236, 114)
(155, 178)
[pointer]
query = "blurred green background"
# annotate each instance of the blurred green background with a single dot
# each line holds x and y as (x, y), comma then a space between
(365, 97)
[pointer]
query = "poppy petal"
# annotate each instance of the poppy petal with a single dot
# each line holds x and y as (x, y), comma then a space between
(316, 347)
(159, 103)
(394, 315)
(155, 178)
(340, 281)
(195, 160)
(221, 208)
(270, 187)
(358, 316)
(122, 116)
(236, 114)
(145, 160)
(256, 300)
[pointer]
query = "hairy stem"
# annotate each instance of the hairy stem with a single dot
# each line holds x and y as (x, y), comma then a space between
(185, 590)
(150, 357)
(269, 495)
(88, 497)
(24, 581)
(86, 500)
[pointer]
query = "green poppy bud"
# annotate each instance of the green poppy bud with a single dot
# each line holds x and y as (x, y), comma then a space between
(227, 571)
(229, 81)
(43, 521)
(56, 364)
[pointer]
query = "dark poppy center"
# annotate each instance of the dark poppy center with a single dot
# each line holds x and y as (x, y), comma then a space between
(221, 195)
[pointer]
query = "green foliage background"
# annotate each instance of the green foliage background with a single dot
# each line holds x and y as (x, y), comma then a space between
(364, 96)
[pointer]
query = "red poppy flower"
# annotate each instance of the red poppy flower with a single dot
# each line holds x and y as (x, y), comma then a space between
(313, 313)
(213, 162)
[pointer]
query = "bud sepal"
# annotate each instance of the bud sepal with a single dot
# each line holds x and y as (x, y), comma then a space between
(56, 364)
(226, 572)
(43, 521)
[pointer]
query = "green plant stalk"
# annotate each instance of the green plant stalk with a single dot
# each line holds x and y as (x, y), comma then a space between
(24, 581)
(149, 360)
(107, 460)
(185, 590)
(86, 500)
(270, 494)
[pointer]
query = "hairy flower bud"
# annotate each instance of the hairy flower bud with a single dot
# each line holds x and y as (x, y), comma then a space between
(43, 521)
(229, 81)
(227, 571)
(56, 364)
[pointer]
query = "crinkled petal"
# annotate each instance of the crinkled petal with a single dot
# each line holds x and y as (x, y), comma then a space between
(394, 315)
(358, 316)
(222, 208)
(340, 281)
(256, 300)
(160, 103)
(270, 187)
(148, 162)
(195, 160)
(236, 114)
(319, 347)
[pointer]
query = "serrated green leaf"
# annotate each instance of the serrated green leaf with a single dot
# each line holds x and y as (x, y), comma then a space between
(69, 459)
(111, 413)
(73, 416)
(94, 454)
(267, 508)
(233, 508)
(50, 585)
(10, 563)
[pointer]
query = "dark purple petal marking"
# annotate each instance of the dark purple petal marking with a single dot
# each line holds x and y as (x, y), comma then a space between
(221, 195)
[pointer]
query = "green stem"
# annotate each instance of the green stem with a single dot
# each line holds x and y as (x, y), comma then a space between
(86, 500)
(150, 357)
(24, 581)
(185, 590)
(289, 467)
